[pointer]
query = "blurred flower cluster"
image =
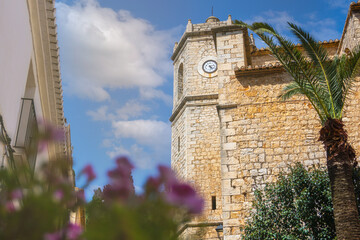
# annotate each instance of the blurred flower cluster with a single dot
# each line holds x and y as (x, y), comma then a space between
(156, 213)
(38, 206)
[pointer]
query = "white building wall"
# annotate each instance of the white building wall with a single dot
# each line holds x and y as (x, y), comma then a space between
(16, 50)
(16, 55)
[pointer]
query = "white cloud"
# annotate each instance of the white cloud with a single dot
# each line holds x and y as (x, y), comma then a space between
(131, 109)
(278, 19)
(139, 189)
(138, 156)
(118, 151)
(147, 132)
(102, 49)
(321, 29)
(150, 93)
(101, 114)
(152, 139)
(146, 142)
(107, 143)
(339, 3)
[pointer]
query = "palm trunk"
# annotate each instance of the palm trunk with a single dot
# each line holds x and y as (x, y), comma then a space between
(340, 162)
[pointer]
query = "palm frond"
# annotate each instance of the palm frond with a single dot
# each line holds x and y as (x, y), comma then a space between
(291, 90)
(324, 81)
(295, 64)
(320, 59)
(257, 27)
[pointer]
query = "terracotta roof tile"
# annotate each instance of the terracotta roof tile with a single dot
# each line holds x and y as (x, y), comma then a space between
(258, 69)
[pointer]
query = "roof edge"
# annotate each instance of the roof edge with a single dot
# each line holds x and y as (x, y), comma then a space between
(326, 44)
(353, 6)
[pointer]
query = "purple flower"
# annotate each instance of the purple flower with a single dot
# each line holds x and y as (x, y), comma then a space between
(152, 184)
(53, 236)
(42, 145)
(167, 175)
(121, 183)
(184, 195)
(118, 190)
(80, 195)
(58, 195)
(49, 133)
(124, 163)
(73, 231)
(123, 169)
(16, 194)
(89, 172)
(10, 207)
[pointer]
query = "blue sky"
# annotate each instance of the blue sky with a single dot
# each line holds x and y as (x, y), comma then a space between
(117, 72)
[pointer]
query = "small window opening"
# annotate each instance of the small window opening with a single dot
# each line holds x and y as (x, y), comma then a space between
(180, 81)
(178, 144)
(213, 202)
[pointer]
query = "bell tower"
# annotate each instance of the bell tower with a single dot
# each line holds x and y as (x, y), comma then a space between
(203, 59)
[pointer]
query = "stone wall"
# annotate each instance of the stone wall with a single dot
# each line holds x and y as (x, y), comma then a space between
(261, 137)
(198, 161)
(351, 33)
(350, 39)
(204, 156)
(195, 121)
(208, 26)
(259, 59)
(194, 84)
(192, 232)
(178, 147)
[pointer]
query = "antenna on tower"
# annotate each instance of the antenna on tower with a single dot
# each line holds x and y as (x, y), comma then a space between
(212, 10)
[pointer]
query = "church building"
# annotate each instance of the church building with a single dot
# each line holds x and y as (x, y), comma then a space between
(231, 134)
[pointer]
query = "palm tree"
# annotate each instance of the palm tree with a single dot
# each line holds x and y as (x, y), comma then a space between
(326, 82)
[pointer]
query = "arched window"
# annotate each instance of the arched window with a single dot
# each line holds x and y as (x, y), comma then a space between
(180, 81)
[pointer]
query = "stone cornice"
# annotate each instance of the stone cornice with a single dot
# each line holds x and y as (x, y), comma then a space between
(259, 70)
(191, 98)
(198, 224)
(46, 60)
(228, 28)
(55, 63)
(236, 105)
(55, 79)
(183, 39)
(226, 106)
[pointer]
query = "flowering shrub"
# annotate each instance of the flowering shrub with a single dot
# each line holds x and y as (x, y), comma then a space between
(34, 207)
(154, 214)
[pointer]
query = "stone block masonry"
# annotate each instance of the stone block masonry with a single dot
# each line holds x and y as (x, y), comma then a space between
(231, 134)
(267, 136)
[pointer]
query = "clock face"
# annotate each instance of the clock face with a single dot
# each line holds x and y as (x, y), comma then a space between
(210, 66)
